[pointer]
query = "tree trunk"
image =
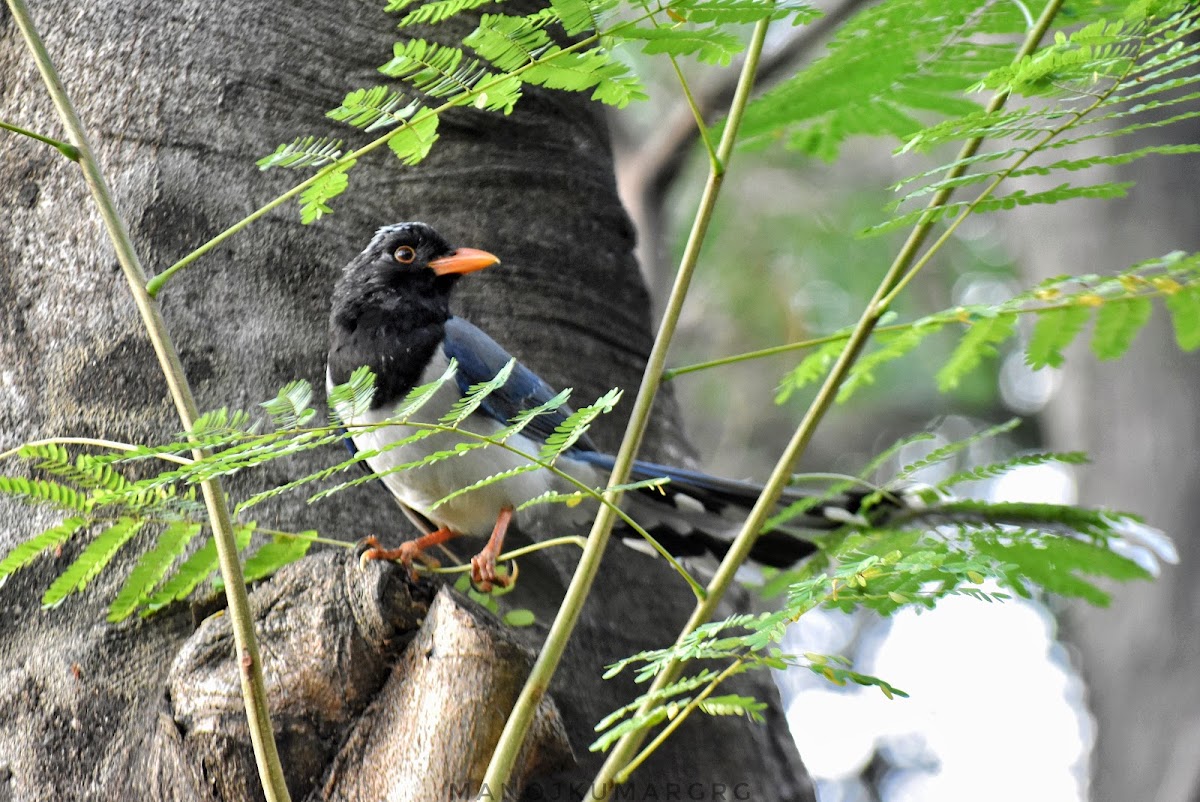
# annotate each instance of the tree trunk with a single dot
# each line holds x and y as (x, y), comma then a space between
(1137, 419)
(179, 101)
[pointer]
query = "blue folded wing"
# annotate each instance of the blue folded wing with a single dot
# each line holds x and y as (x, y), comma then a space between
(480, 358)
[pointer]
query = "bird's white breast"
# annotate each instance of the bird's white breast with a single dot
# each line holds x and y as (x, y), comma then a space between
(474, 512)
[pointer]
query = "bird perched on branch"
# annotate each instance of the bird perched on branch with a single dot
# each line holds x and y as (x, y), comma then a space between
(391, 313)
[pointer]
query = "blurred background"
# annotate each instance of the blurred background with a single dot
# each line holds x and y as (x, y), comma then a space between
(1035, 700)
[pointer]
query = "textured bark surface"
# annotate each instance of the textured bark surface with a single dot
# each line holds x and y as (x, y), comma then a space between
(460, 659)
(353, 721)
(179, 101)
(1138, 421)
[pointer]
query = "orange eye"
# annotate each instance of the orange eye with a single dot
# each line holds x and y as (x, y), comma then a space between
(404, 255)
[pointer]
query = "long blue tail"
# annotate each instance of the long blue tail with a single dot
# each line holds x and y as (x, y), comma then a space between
(697, 512)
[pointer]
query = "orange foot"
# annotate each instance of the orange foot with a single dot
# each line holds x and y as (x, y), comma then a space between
(483, 564)
(407, 551)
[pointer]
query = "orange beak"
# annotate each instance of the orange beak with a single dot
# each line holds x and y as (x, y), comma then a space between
(464, 260)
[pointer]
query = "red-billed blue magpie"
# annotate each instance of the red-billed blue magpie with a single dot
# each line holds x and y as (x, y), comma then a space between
(391, 313)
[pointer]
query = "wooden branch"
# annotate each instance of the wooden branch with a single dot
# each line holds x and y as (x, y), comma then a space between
(430, 732)
(375, 692)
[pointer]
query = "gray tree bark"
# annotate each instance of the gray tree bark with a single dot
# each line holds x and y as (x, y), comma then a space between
(179, 101)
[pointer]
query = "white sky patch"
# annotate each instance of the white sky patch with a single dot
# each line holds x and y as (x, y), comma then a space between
(1052, 483)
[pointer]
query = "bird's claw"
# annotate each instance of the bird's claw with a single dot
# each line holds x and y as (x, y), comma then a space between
(483, 573)
(405, 553)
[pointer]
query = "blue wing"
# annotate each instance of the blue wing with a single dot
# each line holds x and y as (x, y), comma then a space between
(480, 358)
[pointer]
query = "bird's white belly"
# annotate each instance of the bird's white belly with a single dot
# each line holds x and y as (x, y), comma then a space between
(473, 512)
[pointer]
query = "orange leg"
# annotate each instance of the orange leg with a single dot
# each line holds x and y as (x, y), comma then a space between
(408, 550)
(483, 564)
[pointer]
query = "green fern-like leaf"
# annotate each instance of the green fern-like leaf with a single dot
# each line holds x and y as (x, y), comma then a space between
(475, 396)
(1060, 565)
(897, 81)
(374, 108)
(575, 497)
(945, 452)
(437, 70)
(521, 43)
(1015, 199)
(412, 143)
(979, 343)
(358, 459)
(179, 585)
(840, 676)
(1055, 330)
(510, 43)
(712, 47)
(361, 457)
(25, 553)
(418, 397)
(579, 16)
(432, 13)
(94, 558)
(1088, 83)
(51, 457)
(734, 705)
(84, 471)
(289, 408)
(212, 427)
(457, 450)
(278, 552)
(1184, 306)
(499, 95)
(151, 568)
(1063, 165)
(44, 491)
(591, 69)
(486, 482)
(811, 369)
(567, 433)
(891, 347)
(526, 417)
(1117, 324)
(353, 398)
(995, 469)
(314, 201)
(194, 570)
(660, 699)
(303, 152)
(618, 88)
(1100, 50)
(642, 721)
(730, 12)
(1123, 303)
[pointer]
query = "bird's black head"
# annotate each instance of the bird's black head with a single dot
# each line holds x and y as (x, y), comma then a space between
(406, 269)
(391, 303)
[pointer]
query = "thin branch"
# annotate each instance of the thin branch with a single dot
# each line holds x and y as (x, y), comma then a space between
(657, 162)
(949, 316)
(112, 445)
(567, 540)
(739, 550)
(519, 721)
(65, 148)
(250, 664)
(156, 283)
(733, 668)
